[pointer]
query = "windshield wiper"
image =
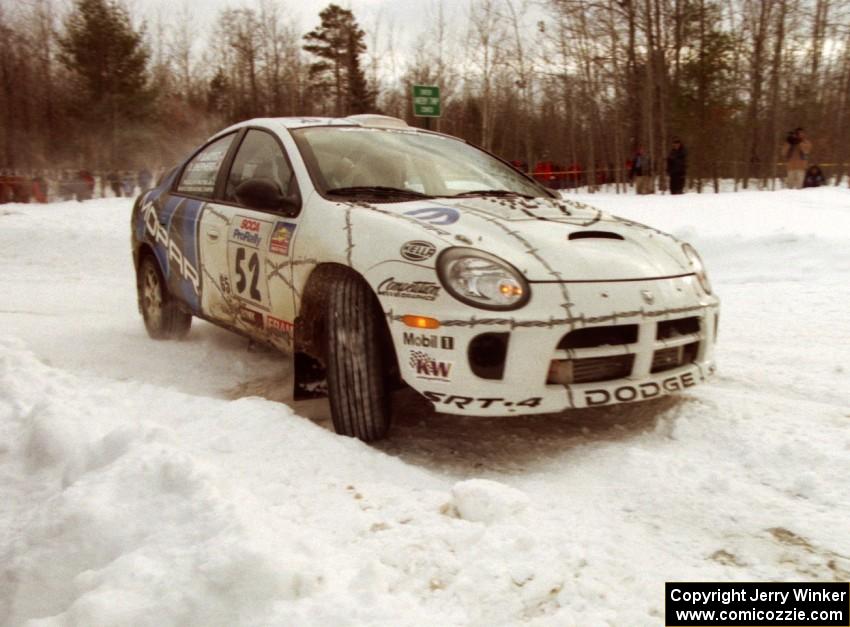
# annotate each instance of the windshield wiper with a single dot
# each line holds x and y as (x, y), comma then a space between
(500, 193)
(375, 190)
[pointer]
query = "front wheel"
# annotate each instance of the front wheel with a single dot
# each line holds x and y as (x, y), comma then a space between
(162, 314)
(356, 366)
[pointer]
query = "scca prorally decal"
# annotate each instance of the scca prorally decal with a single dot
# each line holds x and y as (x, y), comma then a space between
(428, 368)
(426, 290)
(422, 340)
(641, 391)
(476, 402)
(441, 216)
(281, 237)
(418, 250)
(247, 231)
(174, 254)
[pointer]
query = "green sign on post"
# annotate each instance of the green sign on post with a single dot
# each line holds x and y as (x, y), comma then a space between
(426, 101)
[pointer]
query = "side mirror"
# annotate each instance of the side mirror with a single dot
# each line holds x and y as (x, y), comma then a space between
(264, 194)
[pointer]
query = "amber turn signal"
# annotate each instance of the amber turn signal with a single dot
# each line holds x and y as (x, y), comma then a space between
(420, 322)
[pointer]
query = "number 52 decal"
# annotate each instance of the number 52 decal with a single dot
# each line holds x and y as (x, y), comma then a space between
(254, 271)
(245, 274)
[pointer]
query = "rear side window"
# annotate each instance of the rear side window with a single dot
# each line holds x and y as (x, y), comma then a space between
(200, 173)
(259, 157)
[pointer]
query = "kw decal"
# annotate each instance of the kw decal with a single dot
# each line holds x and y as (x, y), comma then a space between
(426, 367)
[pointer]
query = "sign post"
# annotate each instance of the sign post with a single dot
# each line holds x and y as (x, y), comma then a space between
(426, 102)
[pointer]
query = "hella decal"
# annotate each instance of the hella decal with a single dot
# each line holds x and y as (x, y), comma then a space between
(418, 250)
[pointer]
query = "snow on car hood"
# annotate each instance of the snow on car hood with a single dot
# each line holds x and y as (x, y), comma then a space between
(551, 239)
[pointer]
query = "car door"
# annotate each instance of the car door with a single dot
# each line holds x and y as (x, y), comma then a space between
(246, 250)
(175, 217)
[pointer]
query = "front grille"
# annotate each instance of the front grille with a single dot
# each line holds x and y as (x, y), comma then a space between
(593, 369)
(674, 328)
(600, 336)
(669, 358)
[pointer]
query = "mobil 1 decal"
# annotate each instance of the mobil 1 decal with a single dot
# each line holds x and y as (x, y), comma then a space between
(246, 256)
(429, 340)
(172, 228)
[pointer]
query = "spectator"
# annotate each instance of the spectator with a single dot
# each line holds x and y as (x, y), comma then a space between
(114, 182)
(574, 175)
(677, 165)
(814, 177)
(641, 172)
(520, 165)
(128, 184)
(144, 178)
(796, 153)
(85, 186)
(39, 188)
(544, 172)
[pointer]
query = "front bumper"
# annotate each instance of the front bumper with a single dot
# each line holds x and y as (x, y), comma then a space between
(642, 339)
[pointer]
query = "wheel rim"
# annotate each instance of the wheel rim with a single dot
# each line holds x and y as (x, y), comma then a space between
(152, 296)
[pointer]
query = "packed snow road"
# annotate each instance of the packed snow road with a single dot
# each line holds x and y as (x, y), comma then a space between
(156, 483)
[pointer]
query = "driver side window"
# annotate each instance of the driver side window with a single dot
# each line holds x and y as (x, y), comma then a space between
(259, 156)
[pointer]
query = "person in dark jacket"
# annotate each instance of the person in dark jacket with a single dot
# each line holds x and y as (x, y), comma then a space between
(144, 177)
(641, 172)
(677, 166)
(814, 177)
(114, 180)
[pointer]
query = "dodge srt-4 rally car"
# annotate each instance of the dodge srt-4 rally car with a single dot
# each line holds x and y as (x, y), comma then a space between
(382, 255)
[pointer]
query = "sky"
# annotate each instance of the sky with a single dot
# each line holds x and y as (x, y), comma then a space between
(406, 14)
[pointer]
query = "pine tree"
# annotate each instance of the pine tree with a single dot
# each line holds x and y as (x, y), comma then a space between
(339, 42)
(103, 50)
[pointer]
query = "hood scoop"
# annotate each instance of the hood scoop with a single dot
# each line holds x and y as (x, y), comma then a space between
(595, 235)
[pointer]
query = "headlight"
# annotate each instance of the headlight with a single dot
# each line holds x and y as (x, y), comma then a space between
(481, 279)
(699, 267)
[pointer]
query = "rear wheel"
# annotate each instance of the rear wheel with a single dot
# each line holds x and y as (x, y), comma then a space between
(358, 391)
(162, 314)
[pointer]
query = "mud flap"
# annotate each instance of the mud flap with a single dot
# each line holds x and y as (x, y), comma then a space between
(309, 380)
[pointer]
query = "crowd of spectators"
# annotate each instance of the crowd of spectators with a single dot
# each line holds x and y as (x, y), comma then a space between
(49, 186)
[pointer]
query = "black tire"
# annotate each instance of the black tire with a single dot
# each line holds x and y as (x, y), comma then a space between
(164, 320)
(357, 388)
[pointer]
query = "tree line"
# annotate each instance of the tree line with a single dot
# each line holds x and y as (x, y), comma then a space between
(571, 81)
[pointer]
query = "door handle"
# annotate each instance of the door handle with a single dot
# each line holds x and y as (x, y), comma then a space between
(212, 233)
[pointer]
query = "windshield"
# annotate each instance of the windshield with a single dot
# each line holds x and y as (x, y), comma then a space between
(349, 160)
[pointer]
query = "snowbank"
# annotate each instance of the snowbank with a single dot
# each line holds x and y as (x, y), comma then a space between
(139, 485)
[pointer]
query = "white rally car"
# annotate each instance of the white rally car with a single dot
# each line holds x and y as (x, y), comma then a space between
(382, 255)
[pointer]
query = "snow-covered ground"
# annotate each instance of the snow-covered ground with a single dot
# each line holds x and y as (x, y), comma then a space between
(155, 483)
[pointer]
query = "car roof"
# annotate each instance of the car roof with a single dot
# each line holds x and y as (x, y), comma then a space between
(372, 120)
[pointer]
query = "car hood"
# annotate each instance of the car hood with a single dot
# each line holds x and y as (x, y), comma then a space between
(550, 240)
